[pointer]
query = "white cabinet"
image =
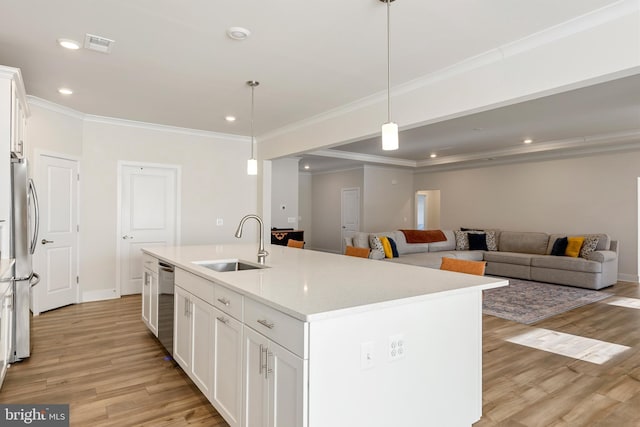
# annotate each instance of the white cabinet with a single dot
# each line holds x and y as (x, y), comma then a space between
(6, 329)
(226, 394)
(18, 121)
(275, 384)
(193, 338)
(150, 299)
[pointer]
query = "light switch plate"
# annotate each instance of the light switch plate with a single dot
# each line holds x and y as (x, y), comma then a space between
(366, 355)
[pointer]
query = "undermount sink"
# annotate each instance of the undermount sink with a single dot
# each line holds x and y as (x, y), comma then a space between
(228, 265)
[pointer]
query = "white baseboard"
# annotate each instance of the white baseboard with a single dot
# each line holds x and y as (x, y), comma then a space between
(102, 294)
(628, 278)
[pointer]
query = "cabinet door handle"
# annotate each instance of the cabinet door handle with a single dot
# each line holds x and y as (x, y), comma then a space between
(263, 351)
(186, 306)
(224, 301)
(267, 369)
(223, 320)
(266, 323)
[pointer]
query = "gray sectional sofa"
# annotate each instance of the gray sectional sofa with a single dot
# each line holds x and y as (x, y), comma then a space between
(523, 255)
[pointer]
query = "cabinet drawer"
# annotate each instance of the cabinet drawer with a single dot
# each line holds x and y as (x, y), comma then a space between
(202, 288)
(285, 330)
(228, 301)
(150, 262)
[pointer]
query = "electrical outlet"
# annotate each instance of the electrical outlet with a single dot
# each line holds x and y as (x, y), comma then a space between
(219, 221)
(397, 347)
(291, 219)
(366, 355)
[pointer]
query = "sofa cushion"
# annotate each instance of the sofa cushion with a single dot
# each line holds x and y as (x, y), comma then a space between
(566, 263)
(524, 242)
(573, 248)
(468, 255)
(407, 248)
(604, 241)
(360, 240)
(448, 245)
(477, 241)
(508, 258)
(590, 244)
(559, 246)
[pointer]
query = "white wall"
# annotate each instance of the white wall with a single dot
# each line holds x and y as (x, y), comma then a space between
(284, 193)
(387, 199)
(596, 194)
(305, 206)
(214, 182)
(326, 200)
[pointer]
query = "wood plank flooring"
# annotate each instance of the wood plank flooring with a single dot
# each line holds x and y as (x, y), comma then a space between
(100, 358)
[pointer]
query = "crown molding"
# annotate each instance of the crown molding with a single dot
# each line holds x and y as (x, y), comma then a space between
(16, 75)
(91, 118)
(57, 108)
(368, 158)
(164, 128)
(573, 26)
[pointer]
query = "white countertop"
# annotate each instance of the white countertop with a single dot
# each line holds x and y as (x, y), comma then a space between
(311, 285)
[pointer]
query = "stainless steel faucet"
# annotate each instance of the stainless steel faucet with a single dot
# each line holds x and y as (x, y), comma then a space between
(262, 254)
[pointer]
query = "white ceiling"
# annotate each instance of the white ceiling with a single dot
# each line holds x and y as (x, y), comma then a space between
(173, 64)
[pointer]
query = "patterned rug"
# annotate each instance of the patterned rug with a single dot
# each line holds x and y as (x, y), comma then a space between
(528, 302)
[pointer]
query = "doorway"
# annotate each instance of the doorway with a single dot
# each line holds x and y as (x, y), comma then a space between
(427, 204)
(56, 256)
(148, 215)
(350, 213)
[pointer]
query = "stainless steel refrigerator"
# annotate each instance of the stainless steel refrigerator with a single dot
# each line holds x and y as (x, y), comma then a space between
(23, 238)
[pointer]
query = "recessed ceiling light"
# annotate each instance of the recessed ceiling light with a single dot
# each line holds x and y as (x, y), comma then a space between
(433, 155)
(238, 33)
(306, 166)
(230, 118)
(69, 44)
(528, 141)
(65, 91)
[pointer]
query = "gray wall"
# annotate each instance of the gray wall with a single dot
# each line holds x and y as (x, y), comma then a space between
(596, 194)
(326, 200)
(284, 193)
(388, 199)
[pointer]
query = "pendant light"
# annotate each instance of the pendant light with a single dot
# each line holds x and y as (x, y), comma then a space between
(389, 129)
(252, 163)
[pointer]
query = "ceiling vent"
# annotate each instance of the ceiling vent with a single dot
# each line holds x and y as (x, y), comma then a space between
(97, 43)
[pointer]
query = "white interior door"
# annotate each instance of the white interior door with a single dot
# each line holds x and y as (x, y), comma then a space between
(148, 217)
(350, 213)
(56, 256)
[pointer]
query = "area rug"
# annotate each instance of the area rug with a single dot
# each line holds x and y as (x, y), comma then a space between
(528, 302)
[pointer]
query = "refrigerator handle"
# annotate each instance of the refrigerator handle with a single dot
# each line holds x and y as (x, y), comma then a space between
(36, 276)
(36, 228)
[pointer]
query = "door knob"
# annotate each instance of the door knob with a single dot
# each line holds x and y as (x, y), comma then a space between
(45, 241)
(127, 237)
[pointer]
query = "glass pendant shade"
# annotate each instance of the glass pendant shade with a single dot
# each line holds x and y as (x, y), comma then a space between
(390, 136)
(252, 167)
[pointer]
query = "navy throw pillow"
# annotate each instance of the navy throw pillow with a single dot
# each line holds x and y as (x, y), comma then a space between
(394, 247)
(559, 246)
(478, 242)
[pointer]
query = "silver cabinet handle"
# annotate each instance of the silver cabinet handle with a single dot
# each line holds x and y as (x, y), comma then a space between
(126, 237)
(224, 301)
(223, 320)
(263, 351)
(45, 241)
(266, 323)
(267, 369)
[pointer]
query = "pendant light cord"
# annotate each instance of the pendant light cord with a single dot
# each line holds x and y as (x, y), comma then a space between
(388, 61)
(252, 89)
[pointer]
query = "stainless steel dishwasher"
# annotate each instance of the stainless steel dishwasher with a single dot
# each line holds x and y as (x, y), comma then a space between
(165, 305)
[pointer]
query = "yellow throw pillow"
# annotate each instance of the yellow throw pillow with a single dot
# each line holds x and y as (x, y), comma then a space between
(574, 245)
(388, 252)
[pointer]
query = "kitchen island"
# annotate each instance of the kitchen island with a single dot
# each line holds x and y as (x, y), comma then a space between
(316, 339)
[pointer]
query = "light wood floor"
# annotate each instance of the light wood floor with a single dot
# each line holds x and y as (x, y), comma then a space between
(100, 358)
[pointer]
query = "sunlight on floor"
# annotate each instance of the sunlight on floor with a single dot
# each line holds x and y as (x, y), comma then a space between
(624, 302)
(577, 347)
